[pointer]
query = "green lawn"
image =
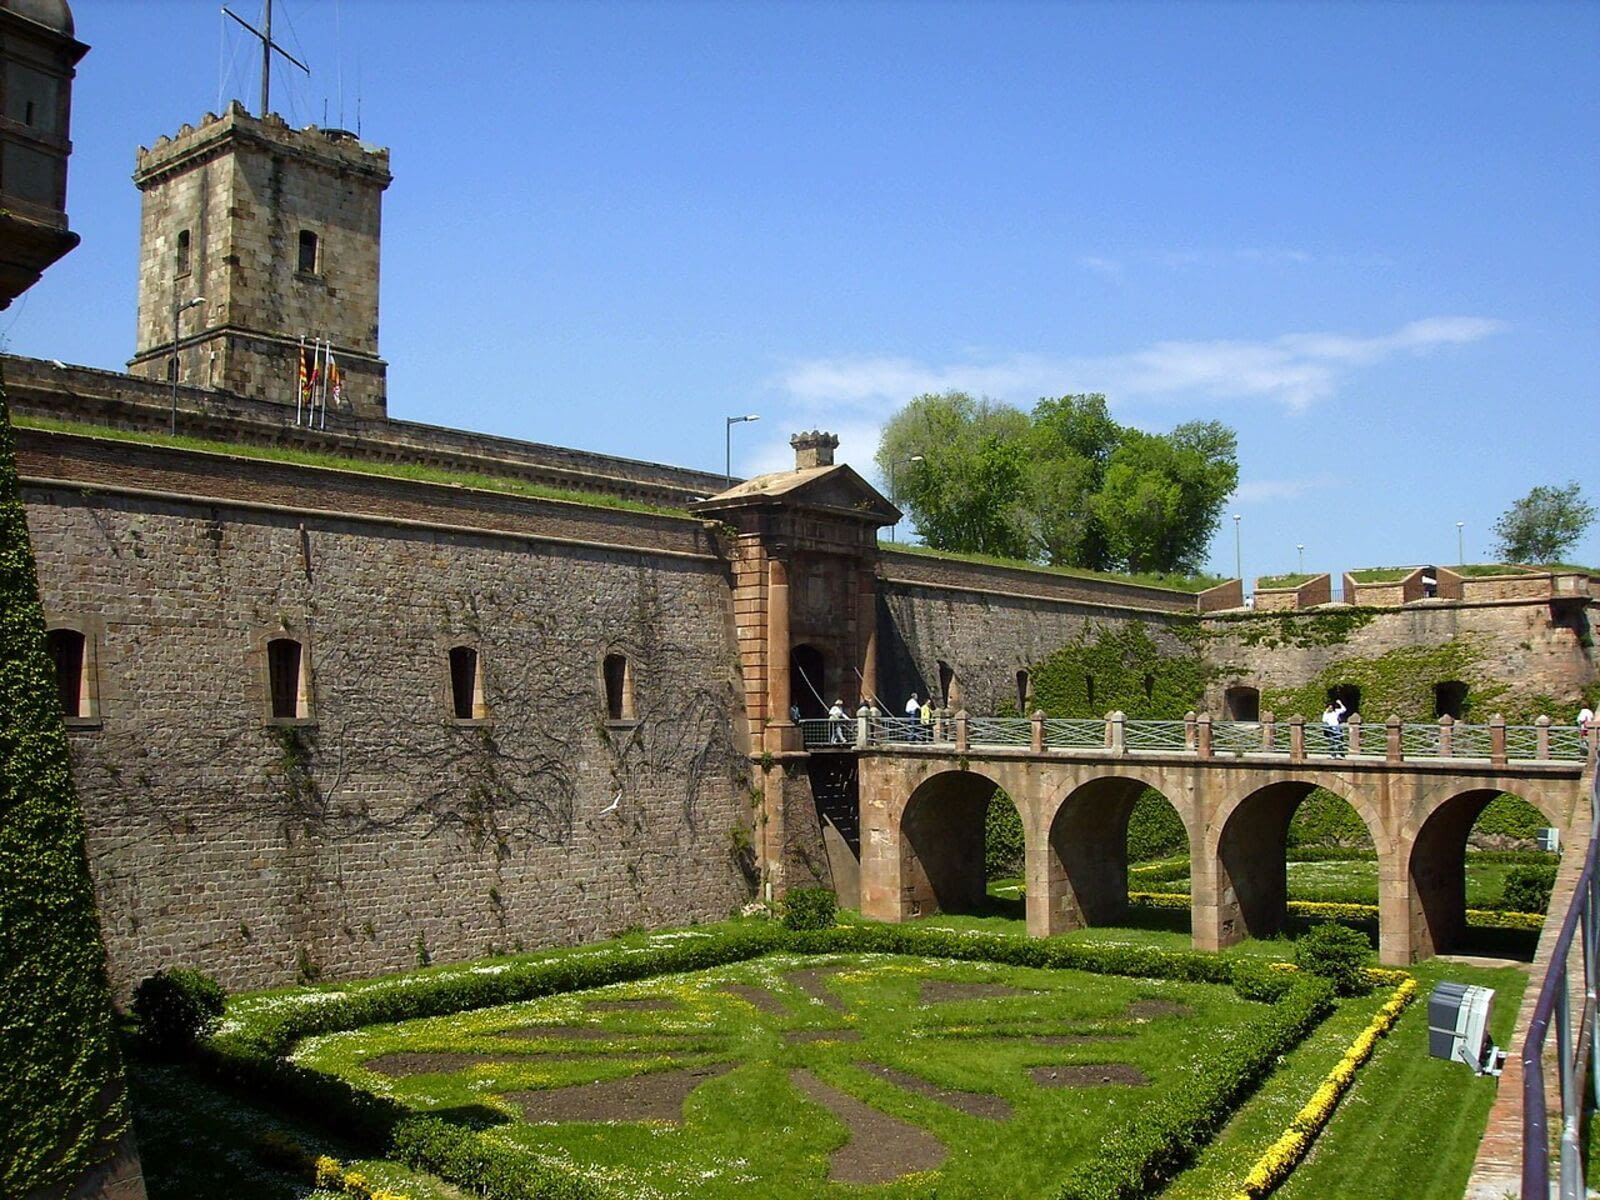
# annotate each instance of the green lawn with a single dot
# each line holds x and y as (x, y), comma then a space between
(749, 1132)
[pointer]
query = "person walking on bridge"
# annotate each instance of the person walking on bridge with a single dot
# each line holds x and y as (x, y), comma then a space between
(913, 717)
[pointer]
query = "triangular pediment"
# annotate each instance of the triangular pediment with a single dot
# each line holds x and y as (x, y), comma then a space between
(835, 489)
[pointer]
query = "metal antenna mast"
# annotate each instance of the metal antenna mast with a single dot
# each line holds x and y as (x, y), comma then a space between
(267, 47)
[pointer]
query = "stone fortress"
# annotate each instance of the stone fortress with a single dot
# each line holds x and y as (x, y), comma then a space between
(330, 719)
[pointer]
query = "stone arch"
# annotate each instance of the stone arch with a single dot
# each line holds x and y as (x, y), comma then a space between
(1085, 851)
(1243, 882)
(942, 843)
(1435, 866)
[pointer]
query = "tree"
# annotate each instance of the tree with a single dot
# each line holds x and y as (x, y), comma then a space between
(1066, 486)
(965, 491)
(1543, 525)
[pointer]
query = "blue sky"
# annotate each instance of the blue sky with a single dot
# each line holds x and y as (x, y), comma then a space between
(1363, 235)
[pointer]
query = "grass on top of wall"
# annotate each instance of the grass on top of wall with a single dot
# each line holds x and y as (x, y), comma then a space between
(1172, 582)
(1292, 580)
(1381, 574)
(317, 458)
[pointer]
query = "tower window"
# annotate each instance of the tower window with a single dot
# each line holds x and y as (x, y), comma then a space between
(286, 679)
(183, 252)
(308, 253)
(67, 650)
(1450, 699)
(466, 684)
(619, 688)
(1242, 703)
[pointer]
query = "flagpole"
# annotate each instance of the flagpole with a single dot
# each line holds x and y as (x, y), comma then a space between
(327, 346)
(299, 379)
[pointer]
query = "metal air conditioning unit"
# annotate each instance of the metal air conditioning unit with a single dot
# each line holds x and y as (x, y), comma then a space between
(1458, 1027)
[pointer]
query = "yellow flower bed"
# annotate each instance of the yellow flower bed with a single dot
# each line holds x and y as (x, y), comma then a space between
(1273, 1167)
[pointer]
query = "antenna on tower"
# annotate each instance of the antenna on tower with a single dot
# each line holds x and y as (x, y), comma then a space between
(267, 47)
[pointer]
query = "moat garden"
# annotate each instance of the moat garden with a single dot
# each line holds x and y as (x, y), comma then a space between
(948, 1058)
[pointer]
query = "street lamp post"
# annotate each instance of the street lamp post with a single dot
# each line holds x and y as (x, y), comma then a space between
(1238, 558)
(1461, 553)
(177, 311)
(1301, 548)
(727, 444)
(894, 492)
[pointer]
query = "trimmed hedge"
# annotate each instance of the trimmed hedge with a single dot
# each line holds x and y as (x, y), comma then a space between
(62, 1107)
(252, 1053)
(810, 908)
(1164, 1136)
(176, 1008)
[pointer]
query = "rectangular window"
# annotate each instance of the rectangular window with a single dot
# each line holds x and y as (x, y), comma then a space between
(464, 682)
(308, 253)
(283, 675)
(66, 649)
(183, 252)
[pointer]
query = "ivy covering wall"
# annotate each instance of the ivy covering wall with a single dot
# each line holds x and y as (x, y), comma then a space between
(61, 1094)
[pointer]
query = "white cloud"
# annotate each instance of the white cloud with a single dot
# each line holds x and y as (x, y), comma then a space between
(1295, 369)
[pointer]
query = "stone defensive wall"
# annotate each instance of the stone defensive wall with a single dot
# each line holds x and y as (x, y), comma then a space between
(40, 388)
(1532, 645)
(595, 782)
(985, 623)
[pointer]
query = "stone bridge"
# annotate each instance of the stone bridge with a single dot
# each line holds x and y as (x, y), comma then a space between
(1417, 788)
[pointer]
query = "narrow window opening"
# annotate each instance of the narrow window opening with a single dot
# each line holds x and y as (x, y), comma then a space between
(183, 252)
(66, 648)
(1023, 692)
(619, 688)
(464, 689)
(308, 252)
(947, 684)
(1450, 699)
(283, 676)
(27, 118)
(1088, 688)
(1242, 703)
(1149, 686)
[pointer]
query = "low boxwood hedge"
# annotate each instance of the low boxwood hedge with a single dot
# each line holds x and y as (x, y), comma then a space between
(251, 1051)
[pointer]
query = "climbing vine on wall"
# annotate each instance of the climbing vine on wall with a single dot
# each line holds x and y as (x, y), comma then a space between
(1296, 630)
(61, 1104)
(1120, 667)
(1401, 682)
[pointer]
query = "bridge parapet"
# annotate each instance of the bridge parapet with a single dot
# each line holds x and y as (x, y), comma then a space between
(1198, 736)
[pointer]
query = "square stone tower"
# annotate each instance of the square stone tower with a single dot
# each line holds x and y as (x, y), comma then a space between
(278, 230)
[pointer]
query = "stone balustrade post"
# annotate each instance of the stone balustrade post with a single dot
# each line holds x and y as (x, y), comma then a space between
(1393, 749)
(1541, 728)
(1497, 740)
(939, 719)
(1117, 732)
(864, 716)
(1269, 732)
(1037, 739)
(1189, 734)
(1352, 729)
(961, 732)
(1202, 735)
(1447, 736)
(1297, 738)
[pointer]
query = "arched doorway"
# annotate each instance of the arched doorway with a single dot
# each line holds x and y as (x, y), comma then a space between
(942, 844)
(808, 682)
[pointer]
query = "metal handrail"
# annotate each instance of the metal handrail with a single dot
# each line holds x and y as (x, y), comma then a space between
(1555, 1001)
(1517, 743)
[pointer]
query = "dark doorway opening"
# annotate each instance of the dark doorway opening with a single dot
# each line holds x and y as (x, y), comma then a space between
(1450, 699)
(808, 682)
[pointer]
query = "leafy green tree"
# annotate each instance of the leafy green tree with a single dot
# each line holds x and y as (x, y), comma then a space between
(965, 491)
(1066, 485)
(1543, 525)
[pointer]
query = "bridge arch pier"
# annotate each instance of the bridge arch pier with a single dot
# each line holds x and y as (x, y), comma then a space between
(922, 824)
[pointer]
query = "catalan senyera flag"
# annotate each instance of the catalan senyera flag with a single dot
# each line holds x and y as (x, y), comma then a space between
(307, 373)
